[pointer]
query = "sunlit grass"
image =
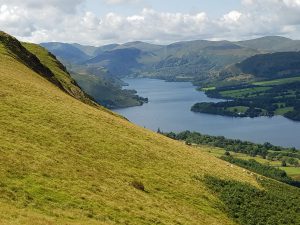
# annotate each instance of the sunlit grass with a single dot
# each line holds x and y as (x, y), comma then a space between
(278, 81)
(292, 171)
(65, 162)
(240, 93)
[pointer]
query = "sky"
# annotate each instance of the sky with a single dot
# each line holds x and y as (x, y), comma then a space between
(99, 22)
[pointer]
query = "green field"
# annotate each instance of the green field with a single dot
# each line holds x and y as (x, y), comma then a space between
(239, 109)
(277, 81)
(207, 89)
(293, 172)
(264, 99)
(241, 93)
(282, 111)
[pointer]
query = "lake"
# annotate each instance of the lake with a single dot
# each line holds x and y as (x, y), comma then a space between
(169, 109)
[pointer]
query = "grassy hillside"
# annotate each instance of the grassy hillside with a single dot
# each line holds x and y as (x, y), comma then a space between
(266, 66)
(59, 73)
(65, 162)
(272, 44)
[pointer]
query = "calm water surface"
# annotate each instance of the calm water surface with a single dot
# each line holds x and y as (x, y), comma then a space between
(169, 109)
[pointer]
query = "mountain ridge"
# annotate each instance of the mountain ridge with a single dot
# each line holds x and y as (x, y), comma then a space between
(196, 60)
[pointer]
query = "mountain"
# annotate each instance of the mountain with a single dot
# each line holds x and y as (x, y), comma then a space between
(183, 60)
(272, 44)
(104, 48)
(195, 60)
(68, 53)
(35, 58)
(199, 61)
(64, 161)
(119, 62)
(265, 67)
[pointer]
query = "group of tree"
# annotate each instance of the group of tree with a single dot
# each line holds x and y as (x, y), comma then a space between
(266, 150)
(273, 204)
(265, 170)
(259, 102)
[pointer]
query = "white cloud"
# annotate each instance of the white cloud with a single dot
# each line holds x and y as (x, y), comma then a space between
(67, 6)
(66, 21)
(232, 17)
(115, 2)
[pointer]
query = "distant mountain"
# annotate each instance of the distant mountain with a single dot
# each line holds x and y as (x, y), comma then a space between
(199, 61)
(265, 67)
(68, 53)
(119, 62)
(102, 49)
(183, 60)
(194, 60)
(87, 49)
(272, 44)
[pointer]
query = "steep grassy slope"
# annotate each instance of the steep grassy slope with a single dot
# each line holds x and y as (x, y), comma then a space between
(66, 162)
(59, 71)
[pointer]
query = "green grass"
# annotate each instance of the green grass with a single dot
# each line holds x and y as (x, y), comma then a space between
(243, 92)
(277, 81)
(282, 111)
(293, 172)
(207, 89)
(66, 162)
(238, 109)
(67, 82)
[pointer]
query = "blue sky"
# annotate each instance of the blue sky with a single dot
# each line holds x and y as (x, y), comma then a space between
(99, 22)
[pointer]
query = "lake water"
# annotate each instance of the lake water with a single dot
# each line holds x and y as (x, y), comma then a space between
(169, 109)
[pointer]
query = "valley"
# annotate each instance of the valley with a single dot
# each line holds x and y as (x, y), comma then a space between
(169, 109)
(256, 80)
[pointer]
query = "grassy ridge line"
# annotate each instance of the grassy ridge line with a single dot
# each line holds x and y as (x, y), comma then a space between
(60, 73)
(64, 162)
(12, 47)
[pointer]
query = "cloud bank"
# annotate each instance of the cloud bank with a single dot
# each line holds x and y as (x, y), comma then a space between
(67, 21)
